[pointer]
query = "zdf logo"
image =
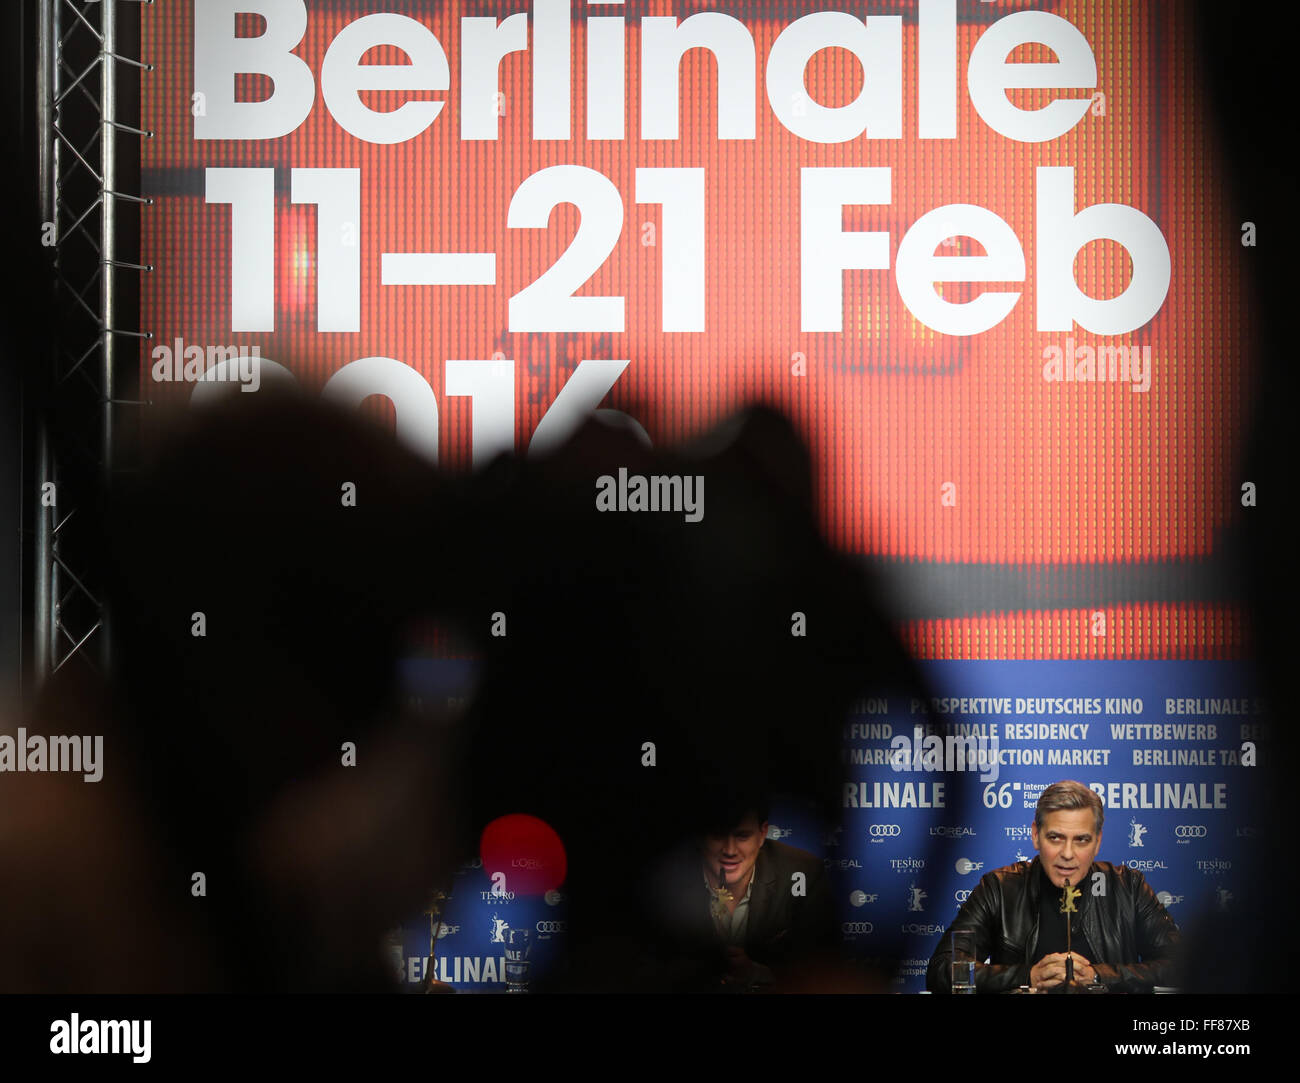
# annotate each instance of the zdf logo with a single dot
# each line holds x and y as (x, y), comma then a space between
(965, 866)
(1190, 831)
(879, 831)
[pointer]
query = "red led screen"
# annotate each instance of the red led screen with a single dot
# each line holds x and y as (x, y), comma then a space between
(951, 457)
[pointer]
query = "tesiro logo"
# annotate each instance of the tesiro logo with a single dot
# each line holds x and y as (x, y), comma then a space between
(906, 864)
(1214, 864)
(1184, 832)
(1017, 832)
(965, 866)
(884, 831)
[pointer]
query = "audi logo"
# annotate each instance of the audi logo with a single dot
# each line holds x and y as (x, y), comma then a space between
(850, 927)
(1190, 831)
(552, 926)
(880, 830)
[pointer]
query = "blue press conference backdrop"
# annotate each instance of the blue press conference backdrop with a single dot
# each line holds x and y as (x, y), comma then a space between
(1167, 744)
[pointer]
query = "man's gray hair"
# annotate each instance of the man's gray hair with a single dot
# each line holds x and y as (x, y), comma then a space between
(1066, 796)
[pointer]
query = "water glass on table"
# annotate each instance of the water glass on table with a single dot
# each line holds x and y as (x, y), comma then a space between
(963, 961)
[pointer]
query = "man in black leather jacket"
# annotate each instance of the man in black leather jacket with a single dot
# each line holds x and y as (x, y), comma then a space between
(1121, 936)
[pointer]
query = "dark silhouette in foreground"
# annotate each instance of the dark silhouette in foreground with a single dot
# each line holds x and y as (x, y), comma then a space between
(224, 752)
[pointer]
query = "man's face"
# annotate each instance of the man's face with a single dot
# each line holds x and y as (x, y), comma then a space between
(1067, 843)
(731, 856)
